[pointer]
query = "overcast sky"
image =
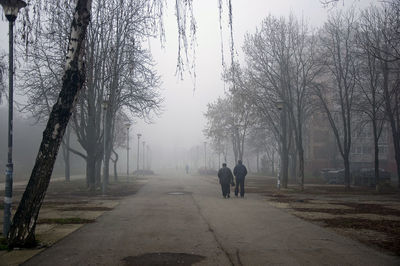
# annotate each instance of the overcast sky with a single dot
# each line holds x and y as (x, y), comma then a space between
(180, 126)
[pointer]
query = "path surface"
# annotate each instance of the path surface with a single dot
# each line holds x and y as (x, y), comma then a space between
(200, 222)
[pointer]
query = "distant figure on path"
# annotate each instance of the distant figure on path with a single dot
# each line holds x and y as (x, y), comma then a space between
(240, 173)
(187, 169)
(225, 179)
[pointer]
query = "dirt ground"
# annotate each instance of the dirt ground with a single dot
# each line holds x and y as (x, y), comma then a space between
(66, 208)
(361, 213)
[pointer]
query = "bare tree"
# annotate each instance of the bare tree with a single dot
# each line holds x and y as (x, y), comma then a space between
(268, 65)
(119, 136)
(383, 43)
(229, 117)
(337, 94)
(218, 128)
(370, 81)
(302, 73)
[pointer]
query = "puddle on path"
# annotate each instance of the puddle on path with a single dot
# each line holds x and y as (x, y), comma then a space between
(176, 193)
(158, 259)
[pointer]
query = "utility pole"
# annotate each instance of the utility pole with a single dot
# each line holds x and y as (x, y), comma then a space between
(205, 155)
(105, 169)
(138, 146)
(144, 143)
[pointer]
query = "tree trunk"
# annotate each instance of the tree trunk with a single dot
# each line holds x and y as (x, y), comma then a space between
(91, 172)
(108, 144)
(346, 171)
(66, 155)
(258, 160)
(98, 171)
(391, 117)
(300, 153)
(273, 163)
(285, 150)
(115, 165)
(376, 154)
(248, 166)
(301, 167)
(22, 231)
(293, 166)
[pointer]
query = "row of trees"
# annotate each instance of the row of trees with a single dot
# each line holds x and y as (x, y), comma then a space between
(347, 70)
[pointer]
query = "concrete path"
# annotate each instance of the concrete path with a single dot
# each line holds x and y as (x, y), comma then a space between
(225, 231)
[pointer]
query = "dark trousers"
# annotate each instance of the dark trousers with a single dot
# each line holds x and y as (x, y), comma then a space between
(226, 190)
(239, 183)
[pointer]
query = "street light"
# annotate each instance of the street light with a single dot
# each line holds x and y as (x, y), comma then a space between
(138, 146)
(205, 155)
(144, 143)
(128, 125)
(105, 106)
(11, 9)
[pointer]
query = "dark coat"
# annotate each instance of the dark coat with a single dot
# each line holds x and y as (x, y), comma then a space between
(225, 175)
(240, 171)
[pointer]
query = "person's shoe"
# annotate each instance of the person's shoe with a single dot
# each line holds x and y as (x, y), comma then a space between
(228, 196)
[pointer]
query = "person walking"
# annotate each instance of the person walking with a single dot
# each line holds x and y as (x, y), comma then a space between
(225, 179)
(187, 169)
(240, 173)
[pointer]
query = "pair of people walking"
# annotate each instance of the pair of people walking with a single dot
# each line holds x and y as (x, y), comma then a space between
(226, 179)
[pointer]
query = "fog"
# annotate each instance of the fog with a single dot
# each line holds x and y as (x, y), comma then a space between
(175, 137)
(180, 126)
(263, 133)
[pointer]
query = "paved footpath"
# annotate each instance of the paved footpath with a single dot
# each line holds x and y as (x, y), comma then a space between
(200, 222)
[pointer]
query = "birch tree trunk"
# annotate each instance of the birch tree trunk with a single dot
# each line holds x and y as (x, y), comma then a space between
(22, 231)
(66, 153)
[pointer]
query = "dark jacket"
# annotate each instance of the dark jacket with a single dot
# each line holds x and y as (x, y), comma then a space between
(225, 175)
(240, 171)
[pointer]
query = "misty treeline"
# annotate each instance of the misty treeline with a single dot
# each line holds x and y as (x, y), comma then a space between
(347, 70)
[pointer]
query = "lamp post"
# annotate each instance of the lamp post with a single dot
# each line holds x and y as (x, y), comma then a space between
(104, 184)
(205, 155)
(143, 143)
(138, 146)
(148, 167)
(128, 125)
(279, 106)
(11, 9)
